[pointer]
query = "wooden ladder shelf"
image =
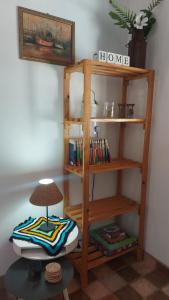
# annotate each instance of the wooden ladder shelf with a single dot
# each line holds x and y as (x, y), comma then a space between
(88, 212)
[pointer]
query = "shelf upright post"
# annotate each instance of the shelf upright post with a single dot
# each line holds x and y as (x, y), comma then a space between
(85, 172)
(121, 137)
(66, 136)
(150, 82)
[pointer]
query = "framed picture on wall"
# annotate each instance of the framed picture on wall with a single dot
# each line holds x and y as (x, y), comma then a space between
(46, 38)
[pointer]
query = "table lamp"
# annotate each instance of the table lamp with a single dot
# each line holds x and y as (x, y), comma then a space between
(45, 194)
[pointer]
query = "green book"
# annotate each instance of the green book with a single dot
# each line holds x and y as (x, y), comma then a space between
(96, 235)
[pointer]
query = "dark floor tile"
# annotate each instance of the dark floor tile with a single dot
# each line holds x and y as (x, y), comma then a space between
(4, 295)
(128, 293)
(117, 264)
(158, 296)
(163, 269)
(1, 282)
(110, 297)
(59, 297)
(91, 276)
(130, 258)
(79, 295)
(128, 273)
(159, 277)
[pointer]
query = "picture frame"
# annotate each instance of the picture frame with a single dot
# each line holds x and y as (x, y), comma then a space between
(46, 38)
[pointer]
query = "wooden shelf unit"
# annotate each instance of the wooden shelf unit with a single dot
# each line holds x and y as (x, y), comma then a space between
(89, 212)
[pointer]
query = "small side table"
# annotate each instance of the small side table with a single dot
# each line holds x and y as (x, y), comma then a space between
(19, 284)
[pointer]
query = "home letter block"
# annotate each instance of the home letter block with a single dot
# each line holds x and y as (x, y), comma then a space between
(119, 59)
(126, 60)
(103, 56)
(111, 57)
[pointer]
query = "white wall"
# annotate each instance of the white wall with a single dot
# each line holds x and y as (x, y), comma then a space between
(31, 107)
(157, 224)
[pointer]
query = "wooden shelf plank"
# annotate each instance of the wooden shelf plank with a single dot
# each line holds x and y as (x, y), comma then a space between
(73, 121)
(103, 209)
(96, 258)
(79, 121)
(103, 259)
(115, 165)
(102, 68)
(74, 170)
(118, 120)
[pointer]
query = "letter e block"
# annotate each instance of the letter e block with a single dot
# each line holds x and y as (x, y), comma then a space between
(126, 60)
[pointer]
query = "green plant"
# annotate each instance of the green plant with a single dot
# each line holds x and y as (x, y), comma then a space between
(128, 19)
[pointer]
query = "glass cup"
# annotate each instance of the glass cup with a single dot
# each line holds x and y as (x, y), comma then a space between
(108, 111)
(122, 110)
(129, 110)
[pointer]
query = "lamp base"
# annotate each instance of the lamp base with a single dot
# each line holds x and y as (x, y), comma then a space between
(47, 227)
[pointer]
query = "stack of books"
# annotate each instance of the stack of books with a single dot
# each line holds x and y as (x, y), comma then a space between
(111, 240)
(99, 151)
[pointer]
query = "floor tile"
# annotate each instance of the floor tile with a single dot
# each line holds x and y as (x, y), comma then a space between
(114, 282)
(130, 258)
(1, 282)
(159, 295)
(110, 297)
(165, 289)
(4, 295)
(74, 286)
(146, 266)
(128, 293)
(118, 263)
(79, 295)
(102, 271)
(109, 277)
(96, 291)
(59, 297)
(91, 276)
(158, 278)
(129, 274)
(163, 269)
(143, 287)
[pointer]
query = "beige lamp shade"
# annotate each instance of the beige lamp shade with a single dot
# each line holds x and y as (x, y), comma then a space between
(46, 194)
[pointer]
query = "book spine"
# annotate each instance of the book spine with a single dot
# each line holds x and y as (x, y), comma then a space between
(99, 152)
(72, 153)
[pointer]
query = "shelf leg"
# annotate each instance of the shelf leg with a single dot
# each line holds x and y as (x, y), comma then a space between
(140, 254)
(84, 278)
(86, 159)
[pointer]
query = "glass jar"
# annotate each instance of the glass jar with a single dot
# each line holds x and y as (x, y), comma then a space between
(108, 111)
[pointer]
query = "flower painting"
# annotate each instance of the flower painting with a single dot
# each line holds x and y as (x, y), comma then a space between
(45, 38)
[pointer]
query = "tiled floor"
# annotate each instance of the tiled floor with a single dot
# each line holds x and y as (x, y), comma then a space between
(121, 279)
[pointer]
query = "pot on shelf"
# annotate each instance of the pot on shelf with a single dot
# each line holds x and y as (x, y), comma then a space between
(137, 49)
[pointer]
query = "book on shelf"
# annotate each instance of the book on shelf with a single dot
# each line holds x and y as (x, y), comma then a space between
(99, 151)
(111, 239)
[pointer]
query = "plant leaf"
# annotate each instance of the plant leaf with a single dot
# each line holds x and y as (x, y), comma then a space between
(122, 23)
(124, 14)
(154, 4)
